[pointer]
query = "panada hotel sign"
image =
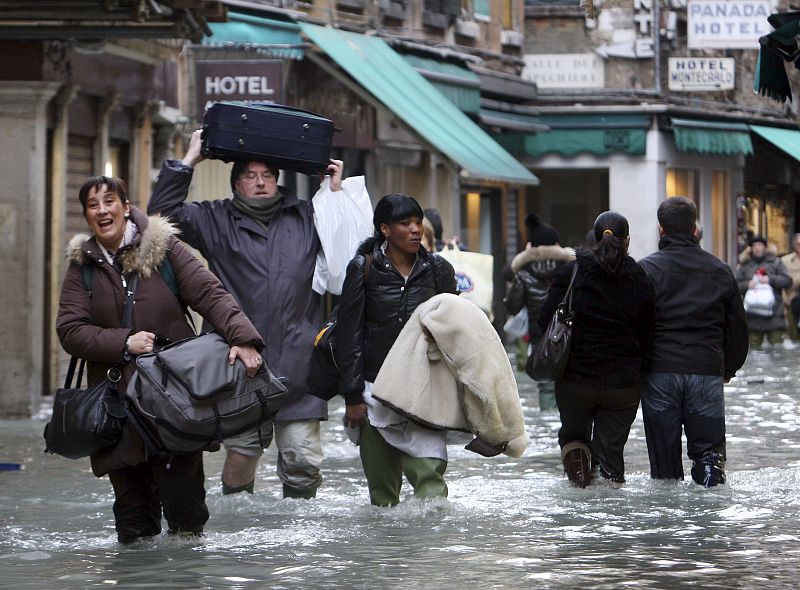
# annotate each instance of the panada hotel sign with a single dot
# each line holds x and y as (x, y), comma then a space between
(727, 24)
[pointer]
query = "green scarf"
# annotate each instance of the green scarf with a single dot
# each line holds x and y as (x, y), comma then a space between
(260, 209)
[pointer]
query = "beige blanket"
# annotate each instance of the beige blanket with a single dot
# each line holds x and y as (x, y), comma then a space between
(449, 369)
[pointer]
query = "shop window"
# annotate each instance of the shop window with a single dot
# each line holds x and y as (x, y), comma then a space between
(683, 182)
(476, 215)
(720, 212)
(766, 211)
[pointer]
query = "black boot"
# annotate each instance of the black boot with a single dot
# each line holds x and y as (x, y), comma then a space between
(709, 470)
(577, 465)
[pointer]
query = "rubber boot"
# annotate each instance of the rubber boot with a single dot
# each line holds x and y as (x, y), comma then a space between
(709, 470)
(577, 463)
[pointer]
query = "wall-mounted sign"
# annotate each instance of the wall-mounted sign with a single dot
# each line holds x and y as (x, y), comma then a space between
(565, 70)
(237, 80)
(727, 24)
(701, 74)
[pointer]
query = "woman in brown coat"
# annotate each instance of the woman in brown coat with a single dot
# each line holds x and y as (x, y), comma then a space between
(89, 323)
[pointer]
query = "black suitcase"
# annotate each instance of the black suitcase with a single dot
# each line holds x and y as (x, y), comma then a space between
(292, 139)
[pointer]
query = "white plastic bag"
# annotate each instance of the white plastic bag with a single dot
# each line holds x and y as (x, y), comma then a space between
(759, 300)
(343, 219)
(516, 325)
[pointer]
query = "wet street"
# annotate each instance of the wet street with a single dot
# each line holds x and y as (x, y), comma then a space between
(507, 524)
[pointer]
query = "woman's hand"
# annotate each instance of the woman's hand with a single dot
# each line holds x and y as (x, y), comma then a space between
(194, 154)
(140, 343)
(335, 171)
(250, 357)
(355, 415)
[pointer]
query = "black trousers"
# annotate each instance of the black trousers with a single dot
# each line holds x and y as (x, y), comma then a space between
(601, 419)
(174, 484)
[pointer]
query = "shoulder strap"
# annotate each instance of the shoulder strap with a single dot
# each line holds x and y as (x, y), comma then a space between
(433, 270)
(87, 272)
(168, 274)
(568, 293)
(367, 266)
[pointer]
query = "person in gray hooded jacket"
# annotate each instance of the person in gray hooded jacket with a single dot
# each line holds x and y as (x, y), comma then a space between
(534, 270)
(262, 244)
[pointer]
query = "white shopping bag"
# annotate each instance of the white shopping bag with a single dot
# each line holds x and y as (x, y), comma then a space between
(473, 276)
(760, 299)
(343, 219)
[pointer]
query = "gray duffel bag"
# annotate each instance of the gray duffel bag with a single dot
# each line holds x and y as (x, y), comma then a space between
(186, 396)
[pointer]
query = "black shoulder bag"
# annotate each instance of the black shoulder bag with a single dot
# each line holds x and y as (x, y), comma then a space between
(323, 377)
(549, 358)
(86, 421)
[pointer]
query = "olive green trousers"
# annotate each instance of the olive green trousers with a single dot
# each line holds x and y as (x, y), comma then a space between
(385, 465)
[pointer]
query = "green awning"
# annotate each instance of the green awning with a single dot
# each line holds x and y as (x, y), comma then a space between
(391, 80)
(721, 138)
(787, 140)
(458, 84)
(512, 121)
(572, 134)
(273, 38)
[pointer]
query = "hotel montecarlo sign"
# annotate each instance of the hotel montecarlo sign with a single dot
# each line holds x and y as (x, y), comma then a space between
(565, 70)
(701, 74)
(727, 24)
(237, 80)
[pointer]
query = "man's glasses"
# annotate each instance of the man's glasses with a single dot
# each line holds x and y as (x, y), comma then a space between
(253, 177)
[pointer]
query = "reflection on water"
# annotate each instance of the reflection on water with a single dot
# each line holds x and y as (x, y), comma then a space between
(508, 523)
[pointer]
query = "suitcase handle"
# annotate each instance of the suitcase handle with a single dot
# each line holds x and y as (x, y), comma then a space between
(284, 107)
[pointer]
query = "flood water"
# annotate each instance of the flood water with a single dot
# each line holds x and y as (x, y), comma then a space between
(509, 523)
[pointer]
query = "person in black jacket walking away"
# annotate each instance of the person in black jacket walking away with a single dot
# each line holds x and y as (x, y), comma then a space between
(390, 276)
(598, 394)
(700, 342)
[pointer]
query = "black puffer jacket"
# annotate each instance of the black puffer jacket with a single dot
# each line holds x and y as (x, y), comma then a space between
(613, 327)
(534, 269)
(373, 312)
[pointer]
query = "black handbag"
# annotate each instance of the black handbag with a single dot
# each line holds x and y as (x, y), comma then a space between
(549, 358)
(85, 421)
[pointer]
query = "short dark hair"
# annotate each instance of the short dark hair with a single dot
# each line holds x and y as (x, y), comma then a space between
(395, 207)
(677, 215)
(115, 185)
(239, 166)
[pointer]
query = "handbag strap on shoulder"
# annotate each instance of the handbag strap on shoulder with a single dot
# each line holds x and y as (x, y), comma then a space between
(568, 295)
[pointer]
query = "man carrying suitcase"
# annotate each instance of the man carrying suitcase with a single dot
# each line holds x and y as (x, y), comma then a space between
(262, 245)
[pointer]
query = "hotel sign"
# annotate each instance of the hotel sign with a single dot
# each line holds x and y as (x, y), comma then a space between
(237, 80)
(701, 74)
(727, 24)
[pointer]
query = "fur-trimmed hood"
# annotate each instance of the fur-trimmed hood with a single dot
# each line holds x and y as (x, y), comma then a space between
(537, 254)
(746, 255)
(144, 255)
